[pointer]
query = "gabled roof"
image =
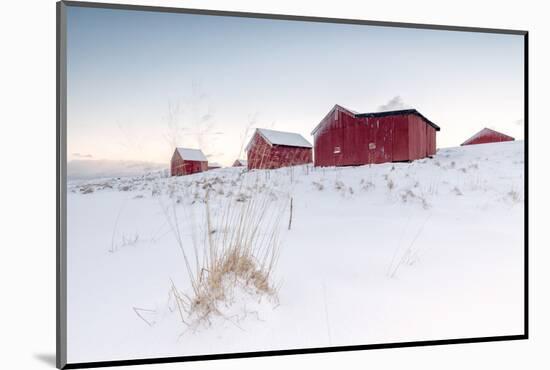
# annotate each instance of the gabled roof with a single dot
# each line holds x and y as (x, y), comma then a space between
(487, 131)
(280, 138)
(191, 154)
(377, 114)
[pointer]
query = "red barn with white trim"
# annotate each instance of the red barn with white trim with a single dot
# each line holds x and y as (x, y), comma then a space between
(487, 136)
(348, 138)
(186, 161)
(275, 149)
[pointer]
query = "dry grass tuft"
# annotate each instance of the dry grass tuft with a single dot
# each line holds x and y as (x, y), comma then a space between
(237, 251)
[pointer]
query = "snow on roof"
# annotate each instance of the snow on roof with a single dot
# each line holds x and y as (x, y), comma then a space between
(486, 131)
(192, 154)
(281, 138)
(214, 164)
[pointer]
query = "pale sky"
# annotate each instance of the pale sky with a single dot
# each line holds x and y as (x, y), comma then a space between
(138, 82)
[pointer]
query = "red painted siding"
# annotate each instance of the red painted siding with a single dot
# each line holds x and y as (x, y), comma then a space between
(400, 138)
(341, 142)
(262, 155)
(417, 137)
(344, 139)
(180, 167)
(378, 133)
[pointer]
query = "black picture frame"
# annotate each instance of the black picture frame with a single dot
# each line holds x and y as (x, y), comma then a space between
(61, 188)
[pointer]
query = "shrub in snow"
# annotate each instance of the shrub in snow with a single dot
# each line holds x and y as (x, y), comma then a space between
(406, 195)
(390, 184)
(409, 195)
(514, 195)
(366, 185)
(87, 190)
(339, 185)
(318, 185)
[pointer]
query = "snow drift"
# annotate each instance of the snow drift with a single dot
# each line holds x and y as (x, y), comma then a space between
(385, 253)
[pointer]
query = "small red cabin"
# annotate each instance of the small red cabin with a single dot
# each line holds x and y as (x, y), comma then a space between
(240, 163)
(275, 149)
(487, 136)
(186, 161)
(348, 138)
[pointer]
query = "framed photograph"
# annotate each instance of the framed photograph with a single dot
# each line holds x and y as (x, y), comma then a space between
(236, 184)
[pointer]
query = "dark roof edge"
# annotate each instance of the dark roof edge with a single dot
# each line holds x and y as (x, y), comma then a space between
(294, 146)
(399, 112)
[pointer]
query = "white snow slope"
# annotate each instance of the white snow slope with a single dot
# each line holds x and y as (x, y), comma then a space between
(386, 253)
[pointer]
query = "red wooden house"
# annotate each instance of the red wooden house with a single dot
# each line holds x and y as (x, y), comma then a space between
(186, 161)
(240, 163)
(487, 136)
(275, 149)
(348, 138)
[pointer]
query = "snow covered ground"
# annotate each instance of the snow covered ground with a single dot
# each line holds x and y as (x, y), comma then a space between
(386, 253)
